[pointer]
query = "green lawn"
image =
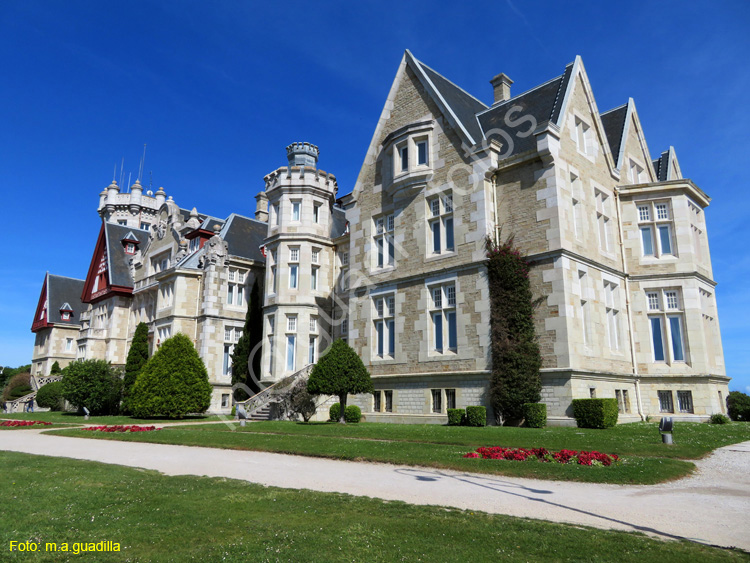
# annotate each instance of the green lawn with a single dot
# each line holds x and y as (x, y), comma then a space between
(75, 418)
(156, 518)
(646, 459)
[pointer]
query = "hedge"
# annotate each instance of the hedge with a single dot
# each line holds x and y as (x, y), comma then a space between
(595, 413)
(476, 416)
(535, 415)
(456, 417)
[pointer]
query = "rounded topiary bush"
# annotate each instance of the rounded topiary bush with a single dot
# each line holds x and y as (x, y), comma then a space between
(173, 383)
(92, 384)
(50, 396)
(334, 412)
(535, 415)
(738, 405)
(353, 414)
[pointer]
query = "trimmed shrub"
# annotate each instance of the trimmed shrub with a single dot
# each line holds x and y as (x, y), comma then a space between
(340, 372)
(535, 415)
(476, 416)
(173, 383)
(55, 369)
(93, 384)
(738, 405)
(247, 352)
(456, 417)
(334, 412)
(595, 413)
(353, 414)
(50, 396)
(718, 419)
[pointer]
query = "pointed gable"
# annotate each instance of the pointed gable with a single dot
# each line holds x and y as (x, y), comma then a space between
(614, 124)
(42, 308)
(634, 150)
(667, 167)
(97, 279)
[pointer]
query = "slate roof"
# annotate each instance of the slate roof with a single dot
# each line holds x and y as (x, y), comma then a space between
(614, 124)
(338, 222)
(245, 236)
(118, 261)
(464, 105)
(62, 290)
(543, 103)
(661, 167)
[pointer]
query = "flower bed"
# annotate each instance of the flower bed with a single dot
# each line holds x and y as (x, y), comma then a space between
(121, 428)
(544, 455)
(16, 423)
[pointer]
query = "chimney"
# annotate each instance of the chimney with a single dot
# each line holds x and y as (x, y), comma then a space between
(501, 86)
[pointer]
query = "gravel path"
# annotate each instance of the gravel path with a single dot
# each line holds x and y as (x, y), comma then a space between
(709, 507)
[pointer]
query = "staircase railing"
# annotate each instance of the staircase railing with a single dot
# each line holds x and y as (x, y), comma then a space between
(260, 400)
(37, 381)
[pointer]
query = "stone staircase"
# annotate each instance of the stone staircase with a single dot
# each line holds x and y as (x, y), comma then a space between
(265, 405)
(37, 381)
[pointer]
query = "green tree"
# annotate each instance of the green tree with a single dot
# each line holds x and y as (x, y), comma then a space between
(93, 384)
(339, 372)
(173, 383)
(137, 358)
(55, 369)
(738, 405)
(18, 386)
(9, 372)
(515, 352)
(252, 335)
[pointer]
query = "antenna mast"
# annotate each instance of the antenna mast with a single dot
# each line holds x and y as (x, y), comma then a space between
(143, 159)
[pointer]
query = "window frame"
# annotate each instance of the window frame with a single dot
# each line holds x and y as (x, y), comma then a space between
(665, 305)
(384, 326)
(383, 237)
(443, 312)
(650, 222)
(441, 233)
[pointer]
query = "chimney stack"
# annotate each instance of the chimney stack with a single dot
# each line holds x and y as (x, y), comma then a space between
(501, 85)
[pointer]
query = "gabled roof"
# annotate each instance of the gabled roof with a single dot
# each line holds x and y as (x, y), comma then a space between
(244, 236)
(614, 126)
(119, 261)
(59, 293)
(64, 294)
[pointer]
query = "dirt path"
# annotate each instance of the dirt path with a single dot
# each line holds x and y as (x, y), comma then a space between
(709, 507)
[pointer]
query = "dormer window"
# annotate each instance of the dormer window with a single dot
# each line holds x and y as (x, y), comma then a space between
(422, 153)
(130, 243)
(403, 156)
(408, 152)
(66, 311)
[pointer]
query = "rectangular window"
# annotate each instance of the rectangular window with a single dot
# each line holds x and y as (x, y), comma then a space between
(344, 259)
(437, 400)
(296, 206)
(68, 344)
(422, 153)
(376, 405)
(384, 242)
(403, 153)
(440, 211)
(665, 401)
(584, 308)
(291, 323)
(582, 136)
(313, 323)
(685, 401)
(311, 355)
(385, 327)
(623, 403)
(612, 308)
(450, 398)
(271, 325)
(655, 223)
(314, 278)
(316, 213)
(236, 287)
(603, 215)
(225, 399)
(316, 256)
(227, 369)
(291, 342)
(667, 332)
(388, 395)
(293, 276)
(443, 315)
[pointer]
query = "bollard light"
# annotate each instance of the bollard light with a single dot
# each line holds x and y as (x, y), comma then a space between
(665, 429)
(86, 413)
(241, 414)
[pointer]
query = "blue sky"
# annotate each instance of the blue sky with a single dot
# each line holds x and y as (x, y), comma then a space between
(218, 89)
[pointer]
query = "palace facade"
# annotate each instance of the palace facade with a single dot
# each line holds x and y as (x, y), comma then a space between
(617, 242)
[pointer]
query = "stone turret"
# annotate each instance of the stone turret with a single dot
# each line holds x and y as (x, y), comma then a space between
(302, 154)
(136, 192)
(112, 191)
(161, 197)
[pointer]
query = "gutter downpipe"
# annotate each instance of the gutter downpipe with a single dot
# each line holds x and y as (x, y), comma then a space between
(639, 402)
